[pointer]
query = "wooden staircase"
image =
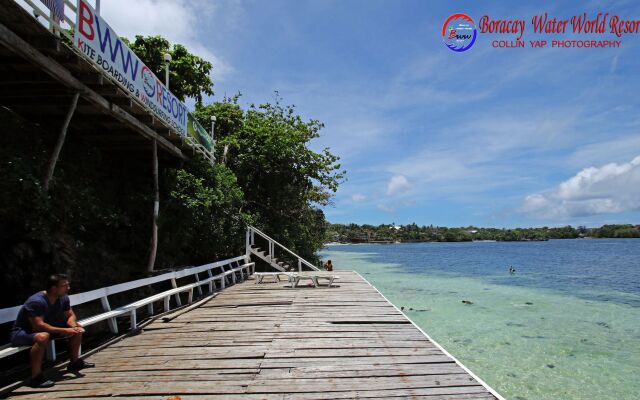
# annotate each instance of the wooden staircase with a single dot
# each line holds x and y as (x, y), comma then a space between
(279, 265)
(269, 254)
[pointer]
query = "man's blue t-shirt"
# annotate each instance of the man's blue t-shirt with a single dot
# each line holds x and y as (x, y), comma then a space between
(38, 306)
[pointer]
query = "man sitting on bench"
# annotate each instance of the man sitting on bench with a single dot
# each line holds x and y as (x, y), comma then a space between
(44, 316)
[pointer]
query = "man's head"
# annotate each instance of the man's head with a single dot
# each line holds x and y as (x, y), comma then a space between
(57, 285)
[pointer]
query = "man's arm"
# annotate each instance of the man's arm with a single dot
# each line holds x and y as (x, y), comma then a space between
(71, 319)
(39, 325)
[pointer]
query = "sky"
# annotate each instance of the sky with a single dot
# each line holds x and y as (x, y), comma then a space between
(486, 137)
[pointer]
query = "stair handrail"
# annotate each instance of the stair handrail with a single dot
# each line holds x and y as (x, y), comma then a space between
(270, 239)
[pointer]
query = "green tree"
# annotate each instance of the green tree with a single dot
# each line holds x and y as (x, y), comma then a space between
(202, 218)
(283, 180)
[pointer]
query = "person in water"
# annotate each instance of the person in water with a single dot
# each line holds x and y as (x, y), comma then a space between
(328, 266)
(512, 270)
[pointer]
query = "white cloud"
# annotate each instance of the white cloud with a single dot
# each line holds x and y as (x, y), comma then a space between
(176, 20)
(612, 188)
(358, 198)
(601, 152)
(429, 166)
(385, 208)
(397, 184)
(614, 64)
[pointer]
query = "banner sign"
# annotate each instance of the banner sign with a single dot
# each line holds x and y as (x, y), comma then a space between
(199, 134)
(99, 43)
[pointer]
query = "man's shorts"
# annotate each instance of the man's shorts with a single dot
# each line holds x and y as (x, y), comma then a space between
(20, 337)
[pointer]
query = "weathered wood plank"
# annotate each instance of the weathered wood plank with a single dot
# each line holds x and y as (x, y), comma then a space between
(271, 342)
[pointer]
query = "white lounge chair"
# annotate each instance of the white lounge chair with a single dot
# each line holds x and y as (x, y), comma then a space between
(296, 278)
(275, 275)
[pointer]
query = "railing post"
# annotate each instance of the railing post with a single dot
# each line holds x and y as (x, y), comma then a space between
(177, 295)
(199, 287)
(106, 307)
(299, 265)
(51, 350)
(211, 282)
(253, 238)
(134, 319)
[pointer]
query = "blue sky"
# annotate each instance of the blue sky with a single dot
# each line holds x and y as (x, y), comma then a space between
(489, 137)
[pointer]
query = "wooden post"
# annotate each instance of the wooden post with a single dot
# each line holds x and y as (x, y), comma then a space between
(211, 282)
(247, 243)
(156, 210)
(174, 285)
(56, 151)
(199, 287)
(106, 307)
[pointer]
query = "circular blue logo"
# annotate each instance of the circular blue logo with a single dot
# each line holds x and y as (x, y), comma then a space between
(459, 32)
(148, 81)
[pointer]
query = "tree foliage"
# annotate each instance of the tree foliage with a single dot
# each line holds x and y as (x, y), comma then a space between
(282, 179)
(415, 233)
(189, 75)
(202, 218)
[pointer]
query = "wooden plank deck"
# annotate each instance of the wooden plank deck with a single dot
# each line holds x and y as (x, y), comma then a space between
(268, 341)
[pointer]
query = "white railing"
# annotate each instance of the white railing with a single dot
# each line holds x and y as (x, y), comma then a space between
(219, 271)
(271, 248)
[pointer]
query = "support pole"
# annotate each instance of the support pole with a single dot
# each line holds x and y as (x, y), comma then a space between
(247, 243)
(156, 210)
(156, 188)
(213, 139)
(56, 151)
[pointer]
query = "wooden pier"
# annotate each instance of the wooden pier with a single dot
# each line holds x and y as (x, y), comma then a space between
(268, 341)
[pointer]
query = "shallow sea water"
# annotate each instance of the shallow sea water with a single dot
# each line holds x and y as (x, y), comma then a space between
(565, 326)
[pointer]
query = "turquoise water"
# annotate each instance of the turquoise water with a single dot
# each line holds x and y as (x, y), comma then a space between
(566, 325)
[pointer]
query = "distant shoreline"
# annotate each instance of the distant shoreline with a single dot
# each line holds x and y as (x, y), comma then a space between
(466, 241)
(413, 233)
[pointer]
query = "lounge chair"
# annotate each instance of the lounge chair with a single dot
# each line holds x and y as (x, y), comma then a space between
(296, 278)
(275, 275)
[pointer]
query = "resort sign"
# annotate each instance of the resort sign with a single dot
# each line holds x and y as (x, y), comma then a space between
(98, 42)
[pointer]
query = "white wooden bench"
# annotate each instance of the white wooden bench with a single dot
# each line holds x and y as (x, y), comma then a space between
(216, 272)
